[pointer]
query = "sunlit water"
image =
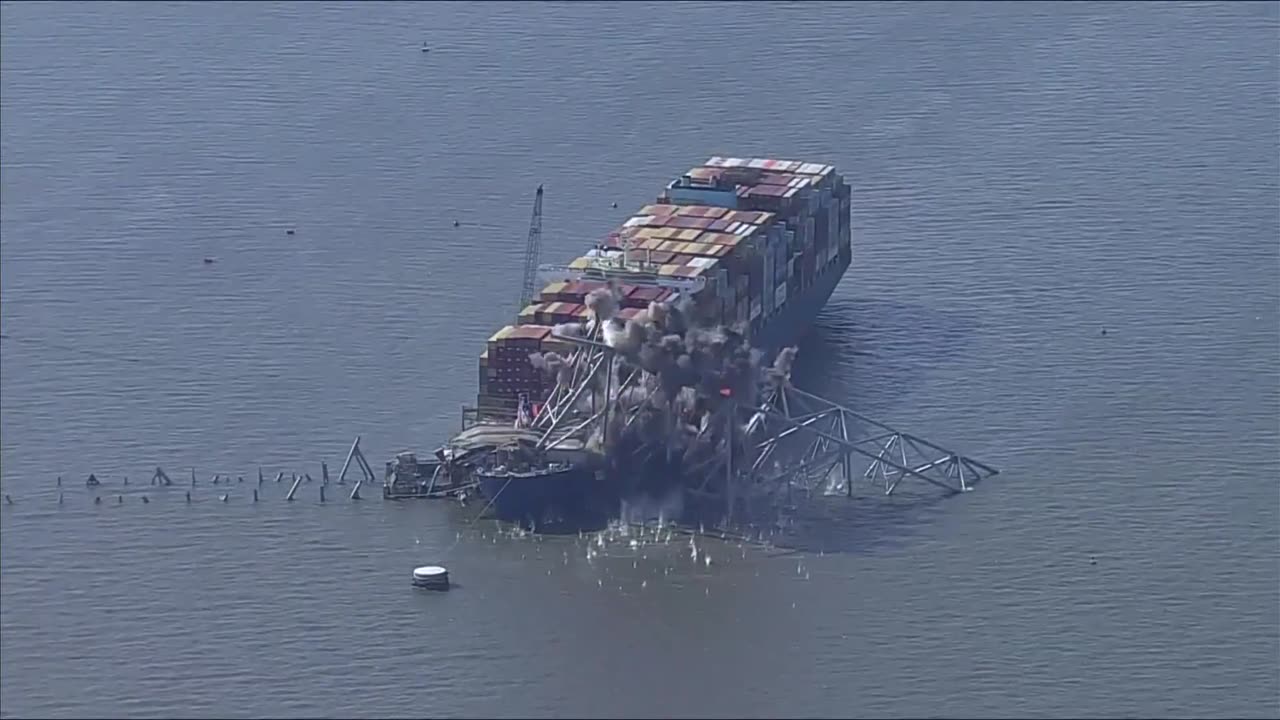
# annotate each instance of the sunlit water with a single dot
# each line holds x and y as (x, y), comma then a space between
(1025, 176)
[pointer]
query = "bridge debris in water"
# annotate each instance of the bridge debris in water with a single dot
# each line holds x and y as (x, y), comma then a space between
(731, 458)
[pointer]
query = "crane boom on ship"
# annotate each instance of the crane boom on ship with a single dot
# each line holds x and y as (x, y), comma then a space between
(532, 248)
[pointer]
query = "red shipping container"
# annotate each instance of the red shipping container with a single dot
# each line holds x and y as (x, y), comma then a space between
(646, 294)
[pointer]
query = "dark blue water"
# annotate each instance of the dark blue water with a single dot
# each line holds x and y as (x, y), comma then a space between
(1025, 175)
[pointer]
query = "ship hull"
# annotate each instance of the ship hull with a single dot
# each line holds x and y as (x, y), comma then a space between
(569, 499)
(797, 316)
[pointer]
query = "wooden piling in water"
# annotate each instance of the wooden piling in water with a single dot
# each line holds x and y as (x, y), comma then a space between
(364, 465)
(296, 481)
(342, 475)
(160, 477)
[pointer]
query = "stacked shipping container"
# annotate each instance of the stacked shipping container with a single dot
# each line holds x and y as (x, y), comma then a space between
(760, 233)
(810, 201)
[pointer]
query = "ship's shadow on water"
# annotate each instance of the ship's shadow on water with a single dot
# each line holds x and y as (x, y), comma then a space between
(874, 357)
(870, 355)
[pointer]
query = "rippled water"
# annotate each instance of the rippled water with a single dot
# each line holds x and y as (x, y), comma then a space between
(1025, 175)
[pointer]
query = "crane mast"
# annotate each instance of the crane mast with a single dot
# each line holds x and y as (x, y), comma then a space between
(531, 250)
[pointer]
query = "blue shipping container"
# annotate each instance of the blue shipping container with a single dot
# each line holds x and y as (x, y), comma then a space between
(698, 196)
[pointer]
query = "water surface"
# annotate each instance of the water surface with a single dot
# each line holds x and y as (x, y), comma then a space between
(1025, 175)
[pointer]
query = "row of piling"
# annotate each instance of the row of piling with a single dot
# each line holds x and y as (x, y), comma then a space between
(224, 497)
(160, 478)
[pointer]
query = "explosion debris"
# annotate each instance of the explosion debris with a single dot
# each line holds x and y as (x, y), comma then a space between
(670, 391)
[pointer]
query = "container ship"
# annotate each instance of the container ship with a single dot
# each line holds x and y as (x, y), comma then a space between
(753, 244)
(756, 243)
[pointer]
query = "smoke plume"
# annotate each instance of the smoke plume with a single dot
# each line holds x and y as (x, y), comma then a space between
(674, 385)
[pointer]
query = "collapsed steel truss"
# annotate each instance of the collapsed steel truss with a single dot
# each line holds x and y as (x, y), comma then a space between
(790, 442)
(829, 437)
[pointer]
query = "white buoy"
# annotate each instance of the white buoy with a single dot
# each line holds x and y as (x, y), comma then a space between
(432, 577)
